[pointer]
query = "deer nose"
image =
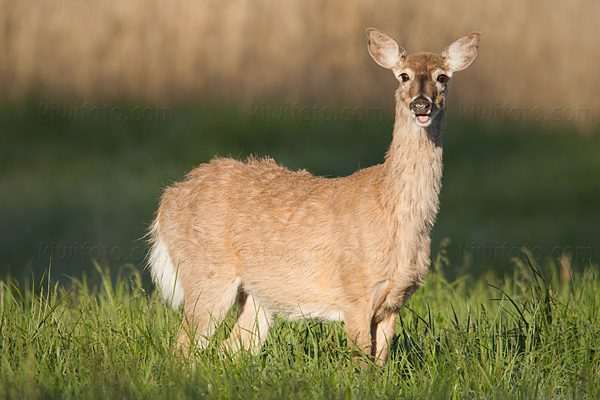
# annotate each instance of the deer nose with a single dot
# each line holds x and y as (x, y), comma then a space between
(420, 106)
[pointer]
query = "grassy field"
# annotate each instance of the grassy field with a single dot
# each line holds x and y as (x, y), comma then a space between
(527, 336)
(103, 104)
(491, 321)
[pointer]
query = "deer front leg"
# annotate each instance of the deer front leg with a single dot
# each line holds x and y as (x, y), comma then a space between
(382, 333)
(358, 330)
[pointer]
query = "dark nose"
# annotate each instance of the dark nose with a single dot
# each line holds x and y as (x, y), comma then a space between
(420, 105)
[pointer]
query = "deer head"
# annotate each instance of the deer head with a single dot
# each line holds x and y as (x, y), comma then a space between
(423, 77)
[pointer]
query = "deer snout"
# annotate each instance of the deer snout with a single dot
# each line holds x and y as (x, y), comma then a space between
(420, 106)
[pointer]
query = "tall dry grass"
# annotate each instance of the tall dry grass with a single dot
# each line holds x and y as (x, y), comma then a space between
(533, 53)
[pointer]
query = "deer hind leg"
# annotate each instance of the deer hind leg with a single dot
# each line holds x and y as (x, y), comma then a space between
(252, 326)
(204, 310)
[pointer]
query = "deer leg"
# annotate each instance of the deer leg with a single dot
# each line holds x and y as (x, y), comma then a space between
(252, 326)
(204, 310)
(382, 333)
(358, 330)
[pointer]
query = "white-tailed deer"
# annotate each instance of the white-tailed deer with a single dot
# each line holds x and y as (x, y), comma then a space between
(283, 242)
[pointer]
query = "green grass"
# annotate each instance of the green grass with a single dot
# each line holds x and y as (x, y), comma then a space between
(491, 322)
(526, 336)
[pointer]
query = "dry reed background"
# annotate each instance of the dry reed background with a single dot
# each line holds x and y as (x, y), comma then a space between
(534, 53)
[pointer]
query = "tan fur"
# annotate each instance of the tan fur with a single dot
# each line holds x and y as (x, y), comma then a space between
(351, 249)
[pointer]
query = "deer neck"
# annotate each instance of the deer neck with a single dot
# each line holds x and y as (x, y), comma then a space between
(413, 177)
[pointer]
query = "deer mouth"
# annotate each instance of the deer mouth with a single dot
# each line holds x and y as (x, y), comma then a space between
(423, 118)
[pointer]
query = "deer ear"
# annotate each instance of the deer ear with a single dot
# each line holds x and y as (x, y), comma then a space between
(460, 54)
(384, 50)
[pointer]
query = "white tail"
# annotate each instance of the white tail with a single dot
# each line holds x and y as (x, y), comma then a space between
(164, 273)
(351, 249)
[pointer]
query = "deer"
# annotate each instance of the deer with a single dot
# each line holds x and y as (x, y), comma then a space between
(299, 246)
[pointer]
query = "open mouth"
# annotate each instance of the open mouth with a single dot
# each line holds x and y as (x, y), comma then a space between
(423, 118)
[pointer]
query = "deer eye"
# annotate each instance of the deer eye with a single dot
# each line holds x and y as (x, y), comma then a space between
(404, 76)
(442, 78)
